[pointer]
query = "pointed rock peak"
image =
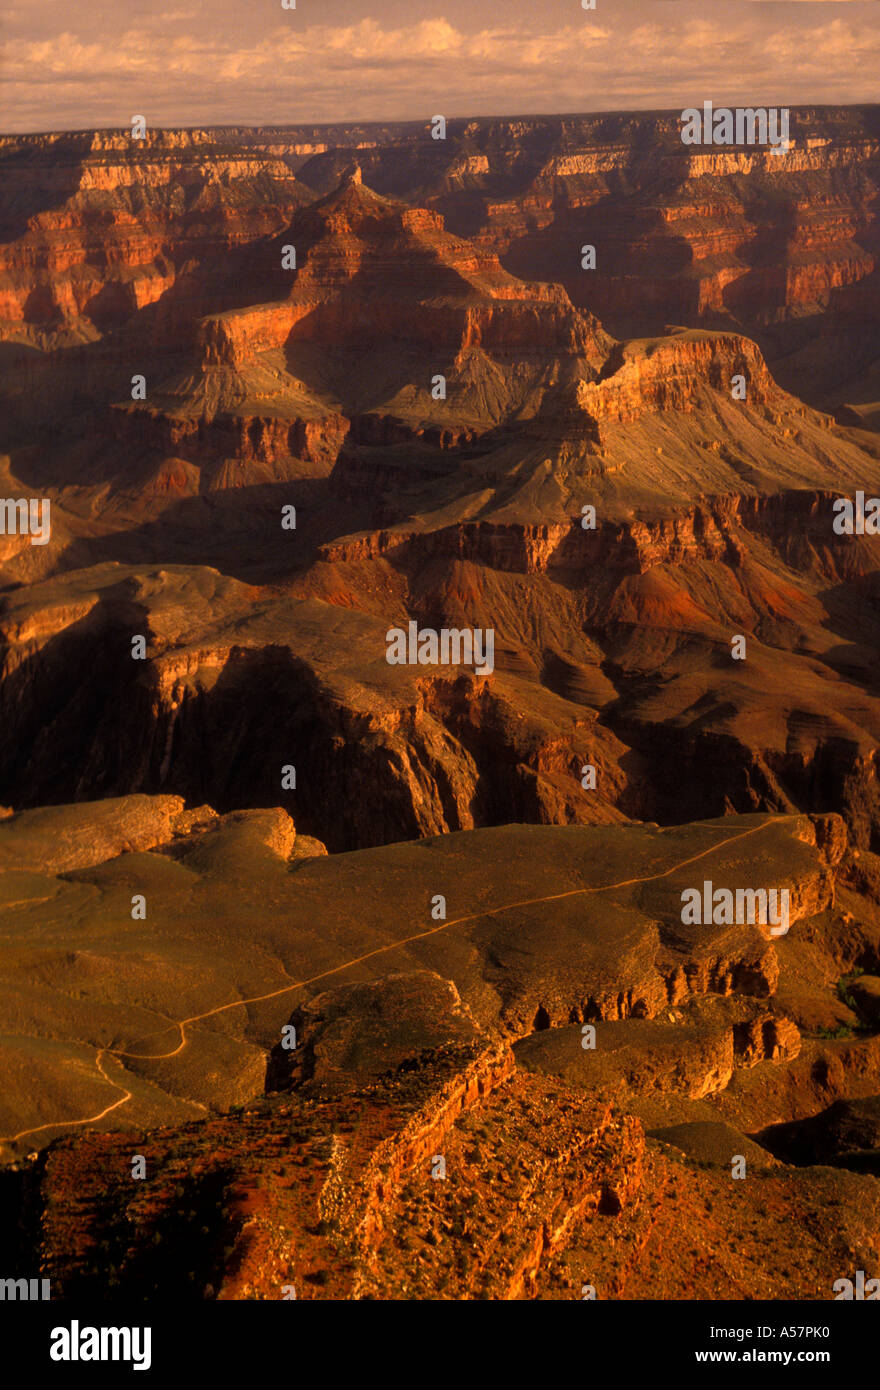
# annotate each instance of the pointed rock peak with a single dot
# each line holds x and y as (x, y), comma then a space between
(352, 199)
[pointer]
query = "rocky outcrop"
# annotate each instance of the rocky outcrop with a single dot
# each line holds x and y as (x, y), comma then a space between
(413, 1149)
(127, 226)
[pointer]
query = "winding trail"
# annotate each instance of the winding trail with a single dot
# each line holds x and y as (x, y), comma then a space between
(184, 1023)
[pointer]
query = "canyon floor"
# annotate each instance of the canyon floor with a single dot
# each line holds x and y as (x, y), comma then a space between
(226, 816)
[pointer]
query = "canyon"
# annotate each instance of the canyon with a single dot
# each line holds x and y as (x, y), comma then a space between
(287, 390)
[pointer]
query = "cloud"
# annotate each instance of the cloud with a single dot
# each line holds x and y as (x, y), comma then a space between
(672, 54)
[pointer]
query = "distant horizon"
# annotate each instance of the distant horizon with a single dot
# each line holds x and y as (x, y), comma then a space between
(647, 111)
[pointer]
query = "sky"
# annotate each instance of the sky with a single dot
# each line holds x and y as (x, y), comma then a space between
(243, 62)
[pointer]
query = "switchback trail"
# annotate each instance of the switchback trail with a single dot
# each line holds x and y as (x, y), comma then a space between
(184, 1023)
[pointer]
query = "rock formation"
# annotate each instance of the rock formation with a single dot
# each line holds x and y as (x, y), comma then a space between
(288, 390)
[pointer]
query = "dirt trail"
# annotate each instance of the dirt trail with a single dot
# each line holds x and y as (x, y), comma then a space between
(183, 1023)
